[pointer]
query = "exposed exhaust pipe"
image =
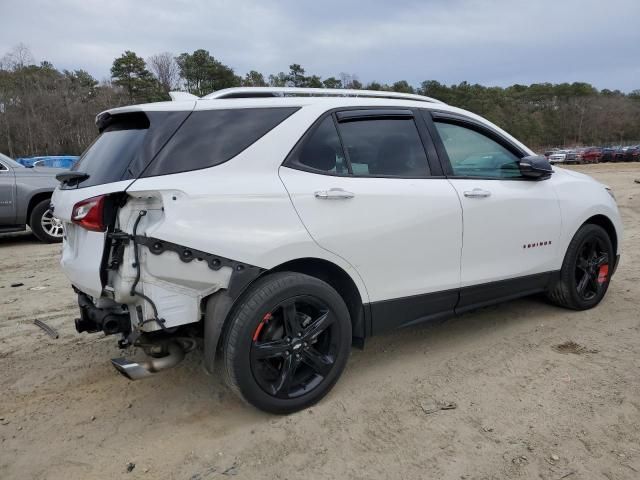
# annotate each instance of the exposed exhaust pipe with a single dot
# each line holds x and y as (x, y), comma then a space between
(137, 370)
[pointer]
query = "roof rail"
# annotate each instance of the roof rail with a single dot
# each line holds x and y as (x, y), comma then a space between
(253, 92)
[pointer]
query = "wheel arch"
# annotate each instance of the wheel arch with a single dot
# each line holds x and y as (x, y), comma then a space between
(340, 281)
(218, 307)
(606, 223)
(33, 201)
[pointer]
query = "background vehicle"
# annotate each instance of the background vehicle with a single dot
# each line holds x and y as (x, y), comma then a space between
(559, 156)
(51, 161)
(573, 156)
(618, 154)
(286, 229)
(607, 154)
(25, 194)
(631, 153)
(591, 155)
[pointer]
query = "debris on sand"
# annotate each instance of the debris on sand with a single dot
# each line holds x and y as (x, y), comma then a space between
(572, 347)
(520, 460)
(130, 467)
(430, 407)
(637, 180)
(53, 333)
(232, 470)
(18, 284)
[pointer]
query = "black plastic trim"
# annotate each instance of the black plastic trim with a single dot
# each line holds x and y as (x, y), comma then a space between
(242, 273)
(479, 296)
(402, 312)
(371, 113)
(437, 306)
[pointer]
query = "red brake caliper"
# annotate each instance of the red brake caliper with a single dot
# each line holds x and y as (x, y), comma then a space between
(603, 273)
(265, 319)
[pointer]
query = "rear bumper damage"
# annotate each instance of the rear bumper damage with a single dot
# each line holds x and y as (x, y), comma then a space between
(134, 302)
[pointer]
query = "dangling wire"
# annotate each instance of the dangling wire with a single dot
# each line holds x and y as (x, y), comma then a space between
(159, 321)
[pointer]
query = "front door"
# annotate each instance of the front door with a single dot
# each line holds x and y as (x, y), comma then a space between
(511, 224)
(363, 187)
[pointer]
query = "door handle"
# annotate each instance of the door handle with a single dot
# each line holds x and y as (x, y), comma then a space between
(477, 193)
(334, 194)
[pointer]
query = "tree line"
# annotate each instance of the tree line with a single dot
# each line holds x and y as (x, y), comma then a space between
(46, 111)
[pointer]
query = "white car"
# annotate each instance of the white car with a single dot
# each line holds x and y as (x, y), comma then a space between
(558, 156)
(281, 226)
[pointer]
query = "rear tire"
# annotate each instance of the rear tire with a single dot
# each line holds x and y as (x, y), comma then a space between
(287, 342)
(44, 225)
(586, 270)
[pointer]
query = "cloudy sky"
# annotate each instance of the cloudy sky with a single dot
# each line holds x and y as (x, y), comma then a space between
(489, 42)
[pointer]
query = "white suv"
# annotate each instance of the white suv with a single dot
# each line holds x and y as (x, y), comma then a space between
(277, 227)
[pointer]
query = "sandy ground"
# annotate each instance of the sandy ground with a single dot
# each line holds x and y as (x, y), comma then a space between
(524, 410)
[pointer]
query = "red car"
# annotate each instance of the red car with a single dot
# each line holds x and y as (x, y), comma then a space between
(591, 155)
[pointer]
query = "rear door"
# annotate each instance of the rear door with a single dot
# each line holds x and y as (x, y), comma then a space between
(511, 223)
(7, 195)
(364, 187)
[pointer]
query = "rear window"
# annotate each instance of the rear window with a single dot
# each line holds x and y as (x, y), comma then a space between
(125, 146)
(147, 144)
(211, 137)
(109, 155)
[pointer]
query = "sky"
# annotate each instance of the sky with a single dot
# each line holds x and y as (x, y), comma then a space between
(494, 43)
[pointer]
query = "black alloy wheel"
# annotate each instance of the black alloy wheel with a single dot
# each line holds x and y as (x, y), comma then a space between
(592, 268)
(586, 270)
(287, 342)
(294, 347)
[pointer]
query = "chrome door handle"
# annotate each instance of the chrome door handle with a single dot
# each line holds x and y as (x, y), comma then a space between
(334, 194)
(477, 193)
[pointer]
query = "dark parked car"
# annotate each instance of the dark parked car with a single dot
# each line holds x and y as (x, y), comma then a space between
(607, 155)
(619, 153)
(25, 194)
(631, 153)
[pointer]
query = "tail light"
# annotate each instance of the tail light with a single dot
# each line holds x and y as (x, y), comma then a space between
(89, 214)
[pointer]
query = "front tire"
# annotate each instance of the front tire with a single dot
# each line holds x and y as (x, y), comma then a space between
(287, 343)
(586, 270)
(44, 225)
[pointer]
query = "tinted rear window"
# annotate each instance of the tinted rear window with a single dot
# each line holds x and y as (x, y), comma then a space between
(211, 137)
(125, 146)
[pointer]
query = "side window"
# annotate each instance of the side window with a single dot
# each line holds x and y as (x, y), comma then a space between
(2, 167)
(210, 137)
(384, 147)
(322, 150)
(473, 154)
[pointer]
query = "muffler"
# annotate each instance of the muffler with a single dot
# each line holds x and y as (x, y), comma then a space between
(174, 353)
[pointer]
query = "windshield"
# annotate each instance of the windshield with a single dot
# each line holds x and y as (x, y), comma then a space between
(10, 162)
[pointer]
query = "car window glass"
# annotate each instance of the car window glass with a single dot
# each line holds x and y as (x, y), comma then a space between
(323, 151)
(211, 137)
(384, 147)
(473, 154)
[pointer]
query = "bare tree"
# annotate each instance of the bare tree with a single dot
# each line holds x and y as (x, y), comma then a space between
(166, 70)
(19, 57)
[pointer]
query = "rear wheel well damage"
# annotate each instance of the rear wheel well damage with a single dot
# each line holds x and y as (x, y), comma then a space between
(219, 306)
(35, 200)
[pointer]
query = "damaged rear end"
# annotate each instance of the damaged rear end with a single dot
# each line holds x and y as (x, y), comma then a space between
(129, 279)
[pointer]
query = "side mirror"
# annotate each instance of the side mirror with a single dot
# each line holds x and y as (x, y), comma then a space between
(535, 167)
